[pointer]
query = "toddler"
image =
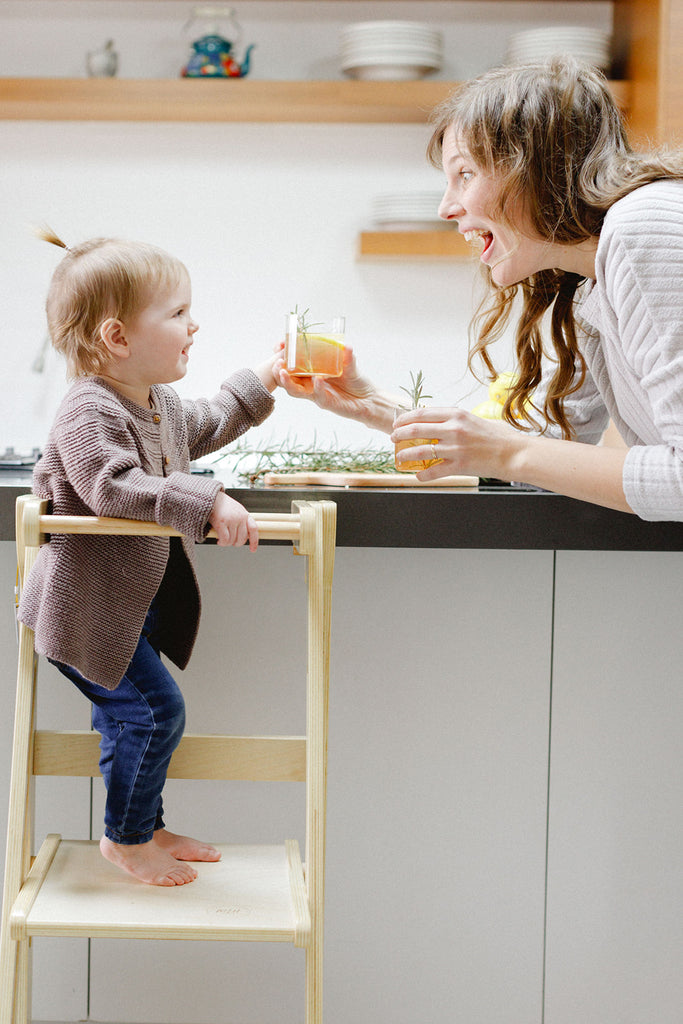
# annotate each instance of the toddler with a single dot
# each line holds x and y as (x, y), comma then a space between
(104, 609)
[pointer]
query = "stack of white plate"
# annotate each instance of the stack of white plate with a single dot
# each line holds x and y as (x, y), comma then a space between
(390, 50)
(408, 211)
(589, 44)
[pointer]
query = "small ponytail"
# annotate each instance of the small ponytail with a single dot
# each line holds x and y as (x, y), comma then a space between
(48, 235)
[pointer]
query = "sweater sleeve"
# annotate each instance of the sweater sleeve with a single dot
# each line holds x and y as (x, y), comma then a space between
(241, 403)
(643, 272)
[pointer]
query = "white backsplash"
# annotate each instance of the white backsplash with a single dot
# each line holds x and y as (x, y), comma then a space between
(263, 215)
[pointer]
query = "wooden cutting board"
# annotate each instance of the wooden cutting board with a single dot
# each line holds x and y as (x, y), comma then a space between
(303, 479)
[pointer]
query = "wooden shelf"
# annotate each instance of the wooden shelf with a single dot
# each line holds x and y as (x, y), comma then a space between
(435, 244)
(232, 100)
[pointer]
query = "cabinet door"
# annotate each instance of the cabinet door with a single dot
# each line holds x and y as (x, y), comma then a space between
(615, 929)
(438, 778)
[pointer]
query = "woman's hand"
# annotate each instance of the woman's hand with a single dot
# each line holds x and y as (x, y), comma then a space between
(232, 523)
(466, 444)
(469, 445)
(351, 395)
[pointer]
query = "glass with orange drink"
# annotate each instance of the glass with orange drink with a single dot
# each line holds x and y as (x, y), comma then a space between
(314, 350)
(416, 394)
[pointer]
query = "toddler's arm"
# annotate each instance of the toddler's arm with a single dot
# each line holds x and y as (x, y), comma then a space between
(244, 401)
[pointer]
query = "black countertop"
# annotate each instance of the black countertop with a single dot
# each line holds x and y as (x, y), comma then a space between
(496, 517)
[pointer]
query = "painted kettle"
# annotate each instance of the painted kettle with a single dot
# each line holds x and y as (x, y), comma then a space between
(213, 53)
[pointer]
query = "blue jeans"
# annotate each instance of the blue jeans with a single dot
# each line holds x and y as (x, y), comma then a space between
(141, 723)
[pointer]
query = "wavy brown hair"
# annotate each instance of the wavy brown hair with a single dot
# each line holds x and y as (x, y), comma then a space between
(554, 139)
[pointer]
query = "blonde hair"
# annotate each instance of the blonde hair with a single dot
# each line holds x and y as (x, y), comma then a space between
(553, 137)
(96, 280)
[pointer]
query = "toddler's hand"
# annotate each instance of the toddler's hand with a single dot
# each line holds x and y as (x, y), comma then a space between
(266, 371)
(232, 523)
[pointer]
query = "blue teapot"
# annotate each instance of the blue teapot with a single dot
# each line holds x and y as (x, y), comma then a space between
(212, 54)
(212, 58)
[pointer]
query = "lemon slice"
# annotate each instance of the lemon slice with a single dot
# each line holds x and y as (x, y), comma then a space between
(325, 339)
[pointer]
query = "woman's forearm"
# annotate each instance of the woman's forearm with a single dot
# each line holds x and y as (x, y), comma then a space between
(587, 472)
(379, 410)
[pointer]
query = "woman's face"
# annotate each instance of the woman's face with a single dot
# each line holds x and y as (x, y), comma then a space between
(512, 254)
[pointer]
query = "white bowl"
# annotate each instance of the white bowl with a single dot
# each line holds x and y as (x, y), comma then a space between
(410, 60)
(601, 61)
(383, 33)
(419, 27)
(388, 72)
(590, 44)
(389, 48)
(582, 33)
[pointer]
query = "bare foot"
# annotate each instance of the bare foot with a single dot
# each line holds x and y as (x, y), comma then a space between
(147, 862)
(185, 848)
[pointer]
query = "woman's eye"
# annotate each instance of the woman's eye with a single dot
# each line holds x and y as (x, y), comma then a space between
(467, 175)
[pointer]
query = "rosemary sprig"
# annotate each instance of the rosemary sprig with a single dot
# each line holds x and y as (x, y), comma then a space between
(415, 392)
(290, 456)
(303, 327)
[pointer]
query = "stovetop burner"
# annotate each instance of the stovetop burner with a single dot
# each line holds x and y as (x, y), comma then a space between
(9, 459)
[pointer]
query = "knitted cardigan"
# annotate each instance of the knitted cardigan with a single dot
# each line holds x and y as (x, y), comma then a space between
(87, 596)
(633, 346)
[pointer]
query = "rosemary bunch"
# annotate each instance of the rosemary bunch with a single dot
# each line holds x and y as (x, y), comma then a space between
(290, 456)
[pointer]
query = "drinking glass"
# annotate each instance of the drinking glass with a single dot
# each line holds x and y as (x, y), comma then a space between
(414, 465)
(314, 350)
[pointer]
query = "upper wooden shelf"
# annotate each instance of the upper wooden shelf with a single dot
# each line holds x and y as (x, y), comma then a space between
(239, 100)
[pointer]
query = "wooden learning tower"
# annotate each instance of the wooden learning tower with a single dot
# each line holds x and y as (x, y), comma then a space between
(69, 889)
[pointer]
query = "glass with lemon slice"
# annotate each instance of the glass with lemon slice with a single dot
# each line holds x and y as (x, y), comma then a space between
(314, 350)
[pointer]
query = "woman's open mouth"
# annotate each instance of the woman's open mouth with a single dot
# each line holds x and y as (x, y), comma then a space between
(483, 238)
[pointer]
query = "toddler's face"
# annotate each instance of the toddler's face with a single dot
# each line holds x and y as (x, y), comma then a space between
(160, 336)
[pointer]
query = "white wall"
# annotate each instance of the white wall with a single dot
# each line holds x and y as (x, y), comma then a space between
(264, 216)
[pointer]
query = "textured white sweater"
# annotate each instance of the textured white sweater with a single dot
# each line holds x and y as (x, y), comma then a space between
(635, 361)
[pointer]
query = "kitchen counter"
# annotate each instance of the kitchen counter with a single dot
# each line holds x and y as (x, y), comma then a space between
(515, 712)
(503, 517)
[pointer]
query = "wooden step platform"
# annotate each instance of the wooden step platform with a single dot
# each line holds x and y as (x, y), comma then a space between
(255, 893)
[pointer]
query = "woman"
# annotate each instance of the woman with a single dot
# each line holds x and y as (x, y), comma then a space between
(589, 236)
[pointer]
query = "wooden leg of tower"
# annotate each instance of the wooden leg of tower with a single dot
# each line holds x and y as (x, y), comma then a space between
(22, 995)
(13, 967)
(314, 980)
(320, 569)
(14, 957)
